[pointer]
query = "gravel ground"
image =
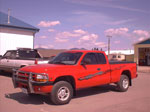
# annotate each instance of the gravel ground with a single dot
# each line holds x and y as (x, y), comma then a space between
(96, 99)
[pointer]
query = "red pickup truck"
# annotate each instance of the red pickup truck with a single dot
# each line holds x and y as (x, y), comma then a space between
(73, 70)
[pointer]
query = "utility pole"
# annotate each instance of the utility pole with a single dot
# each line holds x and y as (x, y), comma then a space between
(8, 16)
(109, 45)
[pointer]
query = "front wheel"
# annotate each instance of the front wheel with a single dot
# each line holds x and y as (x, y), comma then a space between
(62, 93)
(123, 84)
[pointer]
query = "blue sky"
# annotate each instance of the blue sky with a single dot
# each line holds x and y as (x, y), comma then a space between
(66, 24)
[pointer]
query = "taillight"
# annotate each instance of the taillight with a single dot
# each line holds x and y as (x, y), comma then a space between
(36, 61)
(136, 67)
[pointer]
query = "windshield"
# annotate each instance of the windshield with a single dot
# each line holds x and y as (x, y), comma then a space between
(67, 58)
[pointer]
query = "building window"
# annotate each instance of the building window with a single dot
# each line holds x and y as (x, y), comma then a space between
(119, 56)
(114, 56)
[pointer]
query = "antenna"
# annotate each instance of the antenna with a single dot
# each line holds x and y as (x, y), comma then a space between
(109, 45)
(8, 16)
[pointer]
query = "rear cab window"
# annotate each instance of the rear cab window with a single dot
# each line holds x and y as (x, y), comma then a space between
(101, 58)
(28, 54)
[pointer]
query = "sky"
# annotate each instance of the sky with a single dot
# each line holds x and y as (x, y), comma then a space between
(66, 24)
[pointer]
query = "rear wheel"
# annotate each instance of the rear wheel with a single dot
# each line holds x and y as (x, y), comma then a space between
(62, 93)
(123, 84)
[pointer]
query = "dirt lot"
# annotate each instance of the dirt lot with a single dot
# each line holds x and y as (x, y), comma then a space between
(96, 99)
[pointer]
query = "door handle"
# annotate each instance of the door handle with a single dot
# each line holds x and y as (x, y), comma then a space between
(98, 68)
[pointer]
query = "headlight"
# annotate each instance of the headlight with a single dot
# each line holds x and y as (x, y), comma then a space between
(42, 77)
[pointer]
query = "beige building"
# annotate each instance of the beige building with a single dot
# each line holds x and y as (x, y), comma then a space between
(142, 52)
(121, 55)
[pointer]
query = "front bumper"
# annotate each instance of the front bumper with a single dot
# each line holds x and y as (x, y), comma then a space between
(29, 81)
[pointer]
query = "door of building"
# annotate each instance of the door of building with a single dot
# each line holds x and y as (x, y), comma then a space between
(148, 59)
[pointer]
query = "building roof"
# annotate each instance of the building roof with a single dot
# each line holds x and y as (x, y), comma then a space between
(15, 23)
(146, 41)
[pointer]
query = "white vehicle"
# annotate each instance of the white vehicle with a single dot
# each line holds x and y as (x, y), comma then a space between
(15, 59)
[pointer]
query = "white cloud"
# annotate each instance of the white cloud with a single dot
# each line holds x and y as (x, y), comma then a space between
(142, 33)
(119, 22)
(80, 31)
(51, 30)
(135, 35)
(66, 35)
(43, 37)
(127, 8)
(108, 4)
(141, 38)
(62, 40)
(79, 38)
(48, 23)
(91, 41)
(124, 32)
(117, 42)
(100, 44)
(69, 34)
(44, 46)
(117, 32)
(88, 37)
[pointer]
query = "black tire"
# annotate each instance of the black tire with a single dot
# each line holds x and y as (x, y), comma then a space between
(123, 84)
(61, 93)
(31, 94)
(1, 71)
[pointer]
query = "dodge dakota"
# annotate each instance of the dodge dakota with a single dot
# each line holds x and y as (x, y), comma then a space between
(73, 70)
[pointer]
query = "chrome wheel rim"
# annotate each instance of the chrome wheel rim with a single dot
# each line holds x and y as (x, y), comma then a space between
(63, 93)
(125, 83)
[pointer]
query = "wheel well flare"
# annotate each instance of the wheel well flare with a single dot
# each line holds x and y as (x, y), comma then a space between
(127, 73)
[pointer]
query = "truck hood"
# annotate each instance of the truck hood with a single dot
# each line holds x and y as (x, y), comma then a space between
(46, 68)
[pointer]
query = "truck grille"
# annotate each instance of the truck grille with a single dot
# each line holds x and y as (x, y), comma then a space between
(24, 76)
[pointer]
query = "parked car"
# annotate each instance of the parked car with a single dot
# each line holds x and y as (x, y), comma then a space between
(15, 59)
(73, 70)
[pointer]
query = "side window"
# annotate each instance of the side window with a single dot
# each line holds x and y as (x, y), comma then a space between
(89, 59)
(101, 58)
(13, 55)
(10, 55)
